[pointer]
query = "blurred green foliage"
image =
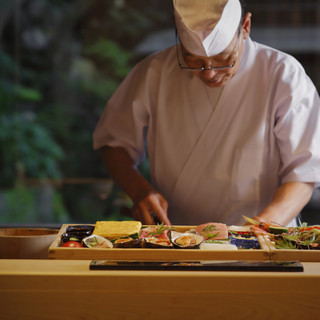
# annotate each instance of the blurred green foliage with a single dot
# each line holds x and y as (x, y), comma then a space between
(60, 61)
(20, 205)
(110, 53)
(29, 149)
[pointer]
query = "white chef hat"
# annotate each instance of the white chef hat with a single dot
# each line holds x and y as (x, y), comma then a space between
(206, 27)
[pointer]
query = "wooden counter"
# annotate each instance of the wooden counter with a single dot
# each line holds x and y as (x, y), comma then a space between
(63, 289)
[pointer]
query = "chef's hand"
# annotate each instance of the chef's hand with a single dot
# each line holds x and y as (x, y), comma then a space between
(152, 204)
(147, 200)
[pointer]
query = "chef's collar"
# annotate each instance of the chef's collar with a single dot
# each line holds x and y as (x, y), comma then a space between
(207, 27)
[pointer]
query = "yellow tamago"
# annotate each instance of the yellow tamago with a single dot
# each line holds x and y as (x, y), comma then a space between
(116, 229)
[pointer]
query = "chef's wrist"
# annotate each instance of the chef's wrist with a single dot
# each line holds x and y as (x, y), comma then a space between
(141, 193)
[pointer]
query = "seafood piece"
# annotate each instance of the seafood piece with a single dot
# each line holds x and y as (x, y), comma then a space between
(159, 231)
(186, 240)
(156, 237)
(128, 242)
(95, 241)
(157, 242)
(259, 227)
(211, 230)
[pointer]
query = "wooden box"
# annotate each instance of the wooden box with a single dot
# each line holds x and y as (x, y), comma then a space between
(26, 243)
(302, 255)
(148, 254)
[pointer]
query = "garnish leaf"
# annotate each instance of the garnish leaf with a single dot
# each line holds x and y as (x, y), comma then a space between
(160, 229)
(210, 235)
(250, 220)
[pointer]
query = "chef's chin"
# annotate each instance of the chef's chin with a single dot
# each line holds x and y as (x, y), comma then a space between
(218, 82)
(215, 84)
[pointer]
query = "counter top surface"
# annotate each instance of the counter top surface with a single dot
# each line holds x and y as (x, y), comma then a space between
(67, 289)
(81, 267)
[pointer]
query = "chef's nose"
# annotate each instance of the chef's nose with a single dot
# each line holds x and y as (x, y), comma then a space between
(207, 66)
(208, 72)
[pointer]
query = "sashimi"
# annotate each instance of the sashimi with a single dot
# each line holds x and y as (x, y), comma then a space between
(158, 231)
(212, 230)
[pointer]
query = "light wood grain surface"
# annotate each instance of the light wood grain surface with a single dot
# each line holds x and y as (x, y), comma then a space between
(63, 289)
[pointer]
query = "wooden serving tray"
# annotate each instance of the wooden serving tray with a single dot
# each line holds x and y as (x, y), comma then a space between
(302, 255)
(148, 254)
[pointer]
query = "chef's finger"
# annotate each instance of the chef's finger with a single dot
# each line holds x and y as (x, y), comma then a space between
(162, 215)
(146, 215)
(164, 206)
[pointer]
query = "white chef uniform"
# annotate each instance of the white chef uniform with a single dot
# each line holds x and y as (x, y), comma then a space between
(218, 154)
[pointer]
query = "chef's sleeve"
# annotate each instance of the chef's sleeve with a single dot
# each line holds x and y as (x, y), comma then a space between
(124, 121)
(297, 128)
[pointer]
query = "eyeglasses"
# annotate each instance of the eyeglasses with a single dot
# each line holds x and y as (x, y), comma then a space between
(223, 67)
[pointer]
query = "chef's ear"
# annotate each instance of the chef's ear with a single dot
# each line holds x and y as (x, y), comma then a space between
(246, 25)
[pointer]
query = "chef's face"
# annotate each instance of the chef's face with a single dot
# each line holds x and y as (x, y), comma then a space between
(230, 56)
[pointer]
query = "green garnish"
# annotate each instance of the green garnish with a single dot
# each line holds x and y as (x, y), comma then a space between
(296, 239)
(160, 229)
(218, 241)
(210, 235)
(92, 242)
(303, 225)
(206, 231)
(210, 227)
(250, 220)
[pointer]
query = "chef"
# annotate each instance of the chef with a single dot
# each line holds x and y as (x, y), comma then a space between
(231, 127)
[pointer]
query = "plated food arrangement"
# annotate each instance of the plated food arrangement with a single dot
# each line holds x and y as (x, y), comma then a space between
(130, 240)
(300, 243)
(303, 237)
(307, 238)
(131, 234)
